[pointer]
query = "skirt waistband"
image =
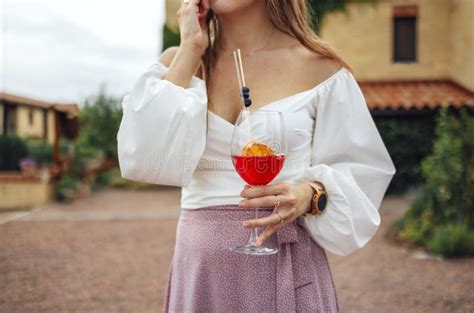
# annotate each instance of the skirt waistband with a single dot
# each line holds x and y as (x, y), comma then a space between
(227, 207)
(229, 212)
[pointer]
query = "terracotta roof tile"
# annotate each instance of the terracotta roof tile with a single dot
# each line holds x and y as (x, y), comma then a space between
(393, 95)
(70, 108)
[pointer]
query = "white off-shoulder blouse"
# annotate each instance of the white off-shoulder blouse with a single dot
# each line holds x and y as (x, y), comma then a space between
(331, 135)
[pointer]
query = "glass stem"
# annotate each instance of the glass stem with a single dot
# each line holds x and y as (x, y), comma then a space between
(253, 232)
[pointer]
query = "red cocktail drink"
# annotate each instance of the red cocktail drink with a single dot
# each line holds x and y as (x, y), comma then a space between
(258, 170)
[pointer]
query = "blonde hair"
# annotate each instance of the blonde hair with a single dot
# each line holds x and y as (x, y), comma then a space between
(291, 17)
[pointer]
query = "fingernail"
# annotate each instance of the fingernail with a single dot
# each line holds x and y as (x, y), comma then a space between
(241, 203)
(245, 224)
(258, 243)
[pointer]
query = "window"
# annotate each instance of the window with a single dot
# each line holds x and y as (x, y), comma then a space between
(30, 116)
(404, 34)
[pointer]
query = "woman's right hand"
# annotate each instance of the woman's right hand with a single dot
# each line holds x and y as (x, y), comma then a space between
(192, 25)
(194, 41)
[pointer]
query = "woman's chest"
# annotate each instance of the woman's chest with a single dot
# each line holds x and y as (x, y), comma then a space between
(268, 83)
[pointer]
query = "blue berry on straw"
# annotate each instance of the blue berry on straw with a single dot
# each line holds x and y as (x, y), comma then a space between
(247, 102)
(245, 89)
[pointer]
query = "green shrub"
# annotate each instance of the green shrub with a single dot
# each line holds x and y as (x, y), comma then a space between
(170, 38)
(408, 140)
(441, 218)
(453, 240)
(449, 171)
(12, 149)
(40, 150)
(66, 186)
(103, 179)
(417, 231)
(66, 146)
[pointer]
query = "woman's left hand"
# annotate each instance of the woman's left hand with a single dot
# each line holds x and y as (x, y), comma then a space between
(293, 201)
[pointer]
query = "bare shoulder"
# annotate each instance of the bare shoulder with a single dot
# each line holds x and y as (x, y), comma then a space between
(168, 55)
(312, 64)
(319, 63)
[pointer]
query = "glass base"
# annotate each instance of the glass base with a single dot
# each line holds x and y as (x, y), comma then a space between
(252, 249)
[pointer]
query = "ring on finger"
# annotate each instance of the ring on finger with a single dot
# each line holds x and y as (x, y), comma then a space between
(276, 203)
(282, 220)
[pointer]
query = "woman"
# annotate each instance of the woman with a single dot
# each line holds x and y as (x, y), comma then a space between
(176, 128)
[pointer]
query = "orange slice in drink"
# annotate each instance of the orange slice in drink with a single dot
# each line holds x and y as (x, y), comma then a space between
(255, 148)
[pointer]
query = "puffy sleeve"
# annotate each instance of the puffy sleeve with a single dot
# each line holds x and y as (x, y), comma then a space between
(351, 160)
(162, 132)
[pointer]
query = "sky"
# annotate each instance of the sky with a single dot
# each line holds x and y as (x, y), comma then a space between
(64, 50)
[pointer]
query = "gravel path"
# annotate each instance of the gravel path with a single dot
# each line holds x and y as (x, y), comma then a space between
(111, 253)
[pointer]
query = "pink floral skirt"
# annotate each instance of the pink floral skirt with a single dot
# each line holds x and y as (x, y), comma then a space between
(204, 276)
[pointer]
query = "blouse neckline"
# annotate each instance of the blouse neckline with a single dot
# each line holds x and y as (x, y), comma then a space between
(292, 96)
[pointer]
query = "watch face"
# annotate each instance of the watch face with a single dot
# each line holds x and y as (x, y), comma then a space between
(322, 201)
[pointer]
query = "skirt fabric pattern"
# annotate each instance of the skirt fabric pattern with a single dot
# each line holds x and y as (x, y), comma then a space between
(205, 276)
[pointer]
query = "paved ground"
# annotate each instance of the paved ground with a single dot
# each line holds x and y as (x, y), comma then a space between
(111, 252)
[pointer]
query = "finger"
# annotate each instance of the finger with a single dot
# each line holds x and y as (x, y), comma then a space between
(259, 191)
(190, 7)
(288, 216)
(188, 2)
(267, 233)
(263, 221)
(271, 229)
(267, 201)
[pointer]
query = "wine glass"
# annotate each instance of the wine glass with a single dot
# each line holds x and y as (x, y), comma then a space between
(258, 149)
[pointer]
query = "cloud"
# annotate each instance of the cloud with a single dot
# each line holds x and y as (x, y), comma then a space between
(63, 51)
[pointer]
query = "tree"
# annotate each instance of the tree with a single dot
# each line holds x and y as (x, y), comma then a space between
(318, 9)
(170, 38)
(100, 120)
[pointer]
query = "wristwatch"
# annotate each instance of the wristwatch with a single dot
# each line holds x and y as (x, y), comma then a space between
(318, 200)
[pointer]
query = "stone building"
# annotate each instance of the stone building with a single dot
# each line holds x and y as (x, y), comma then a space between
(415, 54)
(31, 118)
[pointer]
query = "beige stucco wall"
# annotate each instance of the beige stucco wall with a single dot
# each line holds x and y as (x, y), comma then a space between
(445, 41)
(24, 194)
(35, 130)
(363, 35)
(172, 6)
(461, 66)
(24, 128)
